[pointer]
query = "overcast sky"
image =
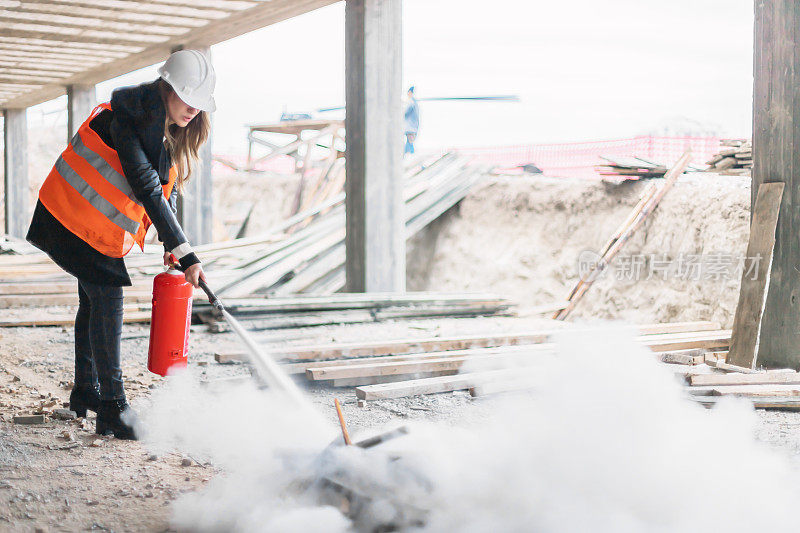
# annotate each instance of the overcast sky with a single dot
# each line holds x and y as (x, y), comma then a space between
(584, 69)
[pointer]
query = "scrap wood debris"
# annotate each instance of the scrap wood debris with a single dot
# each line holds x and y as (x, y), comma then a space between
(735, 158)
(302, 255)
(409, 367)
(652, 197)
(619, 169)
(695, 351)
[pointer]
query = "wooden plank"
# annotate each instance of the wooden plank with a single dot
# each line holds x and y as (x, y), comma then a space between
(519, 356)
(372, 380)
(780, 403)
(749, 309)
(502, 386)
(722, 365)
(433, 385)
(301, 368)
(684, 357)
(414, 367)
(664, 341)
(744, 379)
(516, 378)
(329, 355)
(756, 390)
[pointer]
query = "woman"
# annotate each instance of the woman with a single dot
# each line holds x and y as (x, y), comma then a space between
(121, 171)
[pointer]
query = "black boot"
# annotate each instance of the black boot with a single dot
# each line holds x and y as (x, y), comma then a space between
(110, 419)
(84, 397)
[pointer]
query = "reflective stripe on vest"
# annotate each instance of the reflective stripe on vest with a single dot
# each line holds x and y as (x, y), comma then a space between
(88, 193)
(94, 198)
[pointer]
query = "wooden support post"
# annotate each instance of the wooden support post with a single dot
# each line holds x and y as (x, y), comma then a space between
(15, 161)
(375, 241)
(81, 99)
(776, 157)
(195, 204)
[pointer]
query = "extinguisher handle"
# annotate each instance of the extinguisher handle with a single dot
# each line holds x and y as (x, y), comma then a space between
(212, 298)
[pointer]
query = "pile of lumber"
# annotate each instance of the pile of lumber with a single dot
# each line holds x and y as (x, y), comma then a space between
(735, 158)
(629, 168)
(766, 389)
(409, 367)
(304, 311)
(302, 254)
(505, 362)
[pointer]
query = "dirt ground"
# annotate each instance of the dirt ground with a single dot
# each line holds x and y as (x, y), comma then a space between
(61, 476)
(514, 236)
(50, 482)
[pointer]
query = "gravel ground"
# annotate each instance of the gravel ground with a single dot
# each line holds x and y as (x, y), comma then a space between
(60, 476)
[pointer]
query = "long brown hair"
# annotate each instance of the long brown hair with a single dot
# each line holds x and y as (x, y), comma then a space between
(184, 143)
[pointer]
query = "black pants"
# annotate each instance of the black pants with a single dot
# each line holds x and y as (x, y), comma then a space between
(98, 326)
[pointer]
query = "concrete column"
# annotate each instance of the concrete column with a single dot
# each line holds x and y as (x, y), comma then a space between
(195, 205)
(15, 162)
(776, 157)
(375, 241)
(81, 99)
(206, 188)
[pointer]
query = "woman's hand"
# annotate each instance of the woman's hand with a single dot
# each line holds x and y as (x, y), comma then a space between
(167, 260)
(194, 274)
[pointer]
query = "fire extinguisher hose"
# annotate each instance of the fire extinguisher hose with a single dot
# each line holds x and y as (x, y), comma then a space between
(212, 298)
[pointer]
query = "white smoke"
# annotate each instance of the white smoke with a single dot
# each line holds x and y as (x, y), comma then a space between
(607, 441)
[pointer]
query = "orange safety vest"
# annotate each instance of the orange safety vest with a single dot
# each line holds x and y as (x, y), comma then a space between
(88, 193)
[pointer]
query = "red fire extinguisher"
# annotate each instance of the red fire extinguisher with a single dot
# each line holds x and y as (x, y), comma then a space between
(169, 324)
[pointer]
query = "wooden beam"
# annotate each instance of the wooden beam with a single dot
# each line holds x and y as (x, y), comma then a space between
(81, 99)
(374, 242)
(750, 307)
(171, 18)
(436, 384)
(744, 379)
(507, 356)
(99, 49)
(15, 161)
(404, 346)
(776, 157)
(129, 6)
(8, 16)
(757, 390)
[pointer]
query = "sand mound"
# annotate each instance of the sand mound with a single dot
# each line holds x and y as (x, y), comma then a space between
(523, 236)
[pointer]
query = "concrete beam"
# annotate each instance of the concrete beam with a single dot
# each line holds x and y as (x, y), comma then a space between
(195, 205)
(776, 157)
(15, 164)
(81, 99)
(375, 241)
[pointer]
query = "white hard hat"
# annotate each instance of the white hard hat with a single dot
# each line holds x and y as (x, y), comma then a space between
(191, 75)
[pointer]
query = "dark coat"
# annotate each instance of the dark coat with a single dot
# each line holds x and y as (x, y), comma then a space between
(135, 129)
